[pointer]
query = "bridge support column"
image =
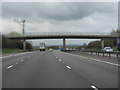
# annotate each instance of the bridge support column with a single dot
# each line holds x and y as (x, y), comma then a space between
(102, 44)
(64, 44)
(24, 45)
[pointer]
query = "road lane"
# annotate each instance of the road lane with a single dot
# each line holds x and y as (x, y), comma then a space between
(16, 59)
(43, 71)
(100, 74)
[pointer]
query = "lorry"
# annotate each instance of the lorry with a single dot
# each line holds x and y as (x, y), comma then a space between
(42, 46)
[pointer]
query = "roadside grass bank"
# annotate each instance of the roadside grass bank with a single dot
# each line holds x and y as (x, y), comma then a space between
(9, 51)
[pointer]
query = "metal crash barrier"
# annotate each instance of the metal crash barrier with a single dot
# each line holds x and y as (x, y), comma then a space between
(98, 53)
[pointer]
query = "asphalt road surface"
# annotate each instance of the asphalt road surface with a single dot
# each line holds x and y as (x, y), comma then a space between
(55, 69)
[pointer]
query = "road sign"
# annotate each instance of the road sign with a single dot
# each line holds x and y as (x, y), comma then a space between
(118, 42)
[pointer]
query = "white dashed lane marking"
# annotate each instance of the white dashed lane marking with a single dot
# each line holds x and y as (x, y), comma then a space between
(68, 67)
(94, 87)
(22, 60)
(59, 60)
(10, 66)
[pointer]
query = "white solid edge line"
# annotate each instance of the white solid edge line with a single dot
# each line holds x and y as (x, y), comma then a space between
(9, 66)
(94, 87)
(111, 63)
(68, 67)
(15, 55)
(104, 62)
(98, 60)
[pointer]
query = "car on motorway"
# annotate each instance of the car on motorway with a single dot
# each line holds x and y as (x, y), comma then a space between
(108, 49)
(50, 49)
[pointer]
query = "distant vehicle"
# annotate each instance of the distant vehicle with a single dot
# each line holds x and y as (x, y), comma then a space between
(67, 48)
(108, 49)
(82, 49)
(50, 49)
(42, 46)
(60, 48)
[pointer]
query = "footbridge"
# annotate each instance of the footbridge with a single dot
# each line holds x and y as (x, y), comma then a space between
(60, 35)
(64, 35)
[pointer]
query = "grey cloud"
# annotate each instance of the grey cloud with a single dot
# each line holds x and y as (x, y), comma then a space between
(60, 17)
(119, 15)
(55, 11)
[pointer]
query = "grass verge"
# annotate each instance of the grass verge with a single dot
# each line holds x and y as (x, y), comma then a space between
(8, 51)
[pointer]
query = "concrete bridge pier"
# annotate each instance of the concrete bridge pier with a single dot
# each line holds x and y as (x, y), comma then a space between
(64, 44)
(24, 45)
(102, 44)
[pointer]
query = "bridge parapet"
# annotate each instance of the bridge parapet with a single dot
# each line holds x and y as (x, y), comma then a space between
(61, 34)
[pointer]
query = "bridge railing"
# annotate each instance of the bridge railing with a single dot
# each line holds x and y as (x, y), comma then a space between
(59, 34)
(67, 33)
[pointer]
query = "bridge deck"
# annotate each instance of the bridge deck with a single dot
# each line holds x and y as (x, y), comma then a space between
(68, 35)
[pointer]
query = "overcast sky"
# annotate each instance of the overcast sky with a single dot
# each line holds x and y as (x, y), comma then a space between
(60, 17)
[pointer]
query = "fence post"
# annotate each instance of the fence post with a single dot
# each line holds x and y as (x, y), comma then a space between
(98, 53)
(109, 54)
(117, 55)
(103, 54)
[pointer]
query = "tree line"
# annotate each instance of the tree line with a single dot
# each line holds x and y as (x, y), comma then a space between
(13, 44)
(107, 42)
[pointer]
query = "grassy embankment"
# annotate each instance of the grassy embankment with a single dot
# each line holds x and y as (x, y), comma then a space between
(8, 51)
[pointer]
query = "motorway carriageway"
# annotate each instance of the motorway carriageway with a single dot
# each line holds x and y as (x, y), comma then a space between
(56, 69)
